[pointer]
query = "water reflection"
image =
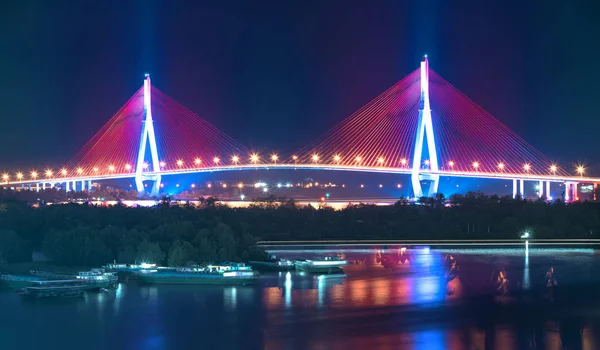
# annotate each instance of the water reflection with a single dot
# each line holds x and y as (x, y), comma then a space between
(432, 300)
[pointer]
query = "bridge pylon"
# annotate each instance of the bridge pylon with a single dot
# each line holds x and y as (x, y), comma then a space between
(424, 129)
(147, 137)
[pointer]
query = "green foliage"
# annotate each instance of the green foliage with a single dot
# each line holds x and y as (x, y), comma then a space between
(13, 248)
(149, 252)
(181, 253)
(78, 235)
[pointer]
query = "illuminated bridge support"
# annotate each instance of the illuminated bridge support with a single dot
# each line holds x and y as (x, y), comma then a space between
(147, 137)
(570, 191)
(424, 129)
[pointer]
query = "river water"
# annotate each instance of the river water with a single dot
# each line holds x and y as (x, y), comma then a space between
(390, 299)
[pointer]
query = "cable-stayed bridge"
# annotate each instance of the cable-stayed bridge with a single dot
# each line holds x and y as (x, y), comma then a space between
(422, 127)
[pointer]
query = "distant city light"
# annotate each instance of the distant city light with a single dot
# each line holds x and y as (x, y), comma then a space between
(399, 186)
(240, 185)
(380, 186)
(288, 185)
(265, 189)
(525, 234)
(193, 185)
(177, 185)
(209, 185)
(224, 185)
(278, 185)
(362, 186)
(242, 196)
(260, 184)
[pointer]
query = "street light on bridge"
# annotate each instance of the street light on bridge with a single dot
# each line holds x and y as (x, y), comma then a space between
(34, 174)
(179, 163)
(162, 164)
(274, 157)
(5, 177)
(358, 159)
(197, 161)
(553, 169)
(501, 166)
(337, 158)
(48, 173)
(451, 163)
(403, 161)
(580, 170)
(235, 159)
(380, 160)
(63, 172)
(527, 167)
(111, 168)
(19, 176)
(315, 158)
(127, 167)
(254, 158)
(476, 165)
(216, 160)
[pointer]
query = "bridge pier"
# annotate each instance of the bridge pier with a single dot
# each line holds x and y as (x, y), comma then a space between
(522, 188)
(67, 186)
(541, 189)
(548, 196)
(89, 185)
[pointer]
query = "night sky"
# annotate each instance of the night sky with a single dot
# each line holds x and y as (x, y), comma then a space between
(277, 74)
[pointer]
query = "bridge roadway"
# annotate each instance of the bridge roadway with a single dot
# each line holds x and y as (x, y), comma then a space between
(330, 167)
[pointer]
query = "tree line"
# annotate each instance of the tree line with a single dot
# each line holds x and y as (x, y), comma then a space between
(87, 235)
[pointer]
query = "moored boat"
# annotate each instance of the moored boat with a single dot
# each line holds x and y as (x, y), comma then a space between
(95, 278)
(272, 264)
(228, 274)
(16, 281)
(98, 278)
(54, 289)
(327, 264)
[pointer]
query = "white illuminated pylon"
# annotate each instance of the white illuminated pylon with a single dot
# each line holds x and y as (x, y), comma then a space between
(424, 128)
(147, 137)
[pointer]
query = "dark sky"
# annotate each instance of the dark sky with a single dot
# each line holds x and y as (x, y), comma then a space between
(277, 74)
